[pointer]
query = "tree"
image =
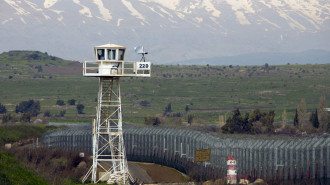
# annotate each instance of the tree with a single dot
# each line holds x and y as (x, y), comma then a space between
(237, 123)
(323, 115)
(80, 108)
(60, 102)
(295, 119)
(156, 122)
(302, 113)
(72, 102)
(187, 108)
(284, 118)
(267, 67)
(2, 109)
(314, 119)
(267, 120)
(255, 115)
(168, 109)
(263, 120)
(31, 106)
(190, 118)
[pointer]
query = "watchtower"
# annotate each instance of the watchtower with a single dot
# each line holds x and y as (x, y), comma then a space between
(108, 144)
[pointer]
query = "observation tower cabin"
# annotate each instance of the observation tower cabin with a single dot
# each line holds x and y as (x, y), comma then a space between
(110, 62)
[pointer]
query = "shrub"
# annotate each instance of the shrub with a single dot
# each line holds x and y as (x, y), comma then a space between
(26, 117)
(47, 114)
(80, 108)
(72, 102)
(6, 118)
(2, 109)
(190, 118)
(34, 56)
(187, 108)
(152, 120)
(57, 166)
(60, 102)
(144, 103)
(39, 68)
(62, 113)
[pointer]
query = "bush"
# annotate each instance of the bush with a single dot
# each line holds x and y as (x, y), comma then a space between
(47, 114)
(26, 117)
(62, 113)
(187, 108)
(80, 108)
(34, 56)
(288, 129)
(6, 118)
(190, 118)
(2, 109)
(72, 102)
(144, 103)
(60, 102)
(152, 120)
(39, 68)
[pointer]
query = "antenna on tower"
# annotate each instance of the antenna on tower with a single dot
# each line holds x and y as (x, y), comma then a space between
(140, 50)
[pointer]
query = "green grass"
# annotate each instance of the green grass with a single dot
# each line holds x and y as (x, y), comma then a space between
(14, 133)
(197, 86)
(11, 172)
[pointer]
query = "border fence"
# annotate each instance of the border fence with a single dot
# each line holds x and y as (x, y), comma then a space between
(267, 157)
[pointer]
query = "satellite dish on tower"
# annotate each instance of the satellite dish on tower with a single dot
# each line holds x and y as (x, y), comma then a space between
(140, 50)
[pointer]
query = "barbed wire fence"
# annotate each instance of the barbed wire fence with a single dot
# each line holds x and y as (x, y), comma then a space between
(267, 157)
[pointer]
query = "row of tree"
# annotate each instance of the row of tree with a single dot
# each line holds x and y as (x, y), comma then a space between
(31, 108)
(255, 122)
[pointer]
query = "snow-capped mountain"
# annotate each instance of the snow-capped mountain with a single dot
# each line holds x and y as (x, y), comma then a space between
(171, 30)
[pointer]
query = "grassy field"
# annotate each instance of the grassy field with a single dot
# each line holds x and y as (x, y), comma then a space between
(15, 133)
(209, 91)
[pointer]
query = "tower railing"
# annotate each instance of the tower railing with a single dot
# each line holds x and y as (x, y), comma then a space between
(118, 68)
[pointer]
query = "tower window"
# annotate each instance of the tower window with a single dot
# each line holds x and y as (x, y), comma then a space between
(111, 54)
(100, 54)
(121, 54)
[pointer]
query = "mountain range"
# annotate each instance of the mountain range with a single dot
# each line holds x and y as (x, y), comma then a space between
(173, 31)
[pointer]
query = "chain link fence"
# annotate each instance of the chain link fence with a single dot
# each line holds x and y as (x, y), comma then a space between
(260, 156)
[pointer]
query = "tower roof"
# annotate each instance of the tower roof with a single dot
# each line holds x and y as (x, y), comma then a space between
(110, 46)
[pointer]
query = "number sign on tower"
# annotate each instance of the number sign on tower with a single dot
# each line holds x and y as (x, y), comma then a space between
(109, 159)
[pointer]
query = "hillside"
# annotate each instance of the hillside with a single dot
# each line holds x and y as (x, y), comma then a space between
(12, 172)
(208, 91)
(283, 58)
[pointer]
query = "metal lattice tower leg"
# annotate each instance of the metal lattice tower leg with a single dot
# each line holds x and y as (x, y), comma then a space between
(108, 145)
